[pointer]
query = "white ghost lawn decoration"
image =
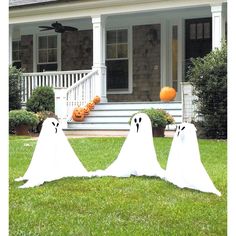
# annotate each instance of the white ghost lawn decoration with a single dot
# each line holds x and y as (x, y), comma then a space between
(137, 155)
(53, 157)
(184, 167)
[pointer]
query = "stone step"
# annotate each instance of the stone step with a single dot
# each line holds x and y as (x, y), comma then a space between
(105, 126)
(71, 133)
(97, 126)
(118, 113)
(113, 119)
(139, 106)
(115, 116)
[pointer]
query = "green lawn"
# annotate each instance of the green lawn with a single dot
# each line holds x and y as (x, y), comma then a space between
(116, 206)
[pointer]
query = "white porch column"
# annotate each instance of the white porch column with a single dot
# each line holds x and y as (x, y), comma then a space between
(218, 26)
(99, 56)
(10, 44)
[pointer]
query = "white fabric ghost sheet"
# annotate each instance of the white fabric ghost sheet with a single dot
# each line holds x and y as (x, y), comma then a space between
(53, 157)
(184, 167)
(137, 155)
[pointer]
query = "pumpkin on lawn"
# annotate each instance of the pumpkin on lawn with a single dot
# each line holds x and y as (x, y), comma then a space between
(96, 99)
(90, 105)
(78, 114)
(167, 94)
(86, 110)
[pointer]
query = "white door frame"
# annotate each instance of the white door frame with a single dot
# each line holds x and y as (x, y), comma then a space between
(167, 74)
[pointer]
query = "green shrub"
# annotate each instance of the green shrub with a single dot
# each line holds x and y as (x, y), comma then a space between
(42, 99)
(158, 117)
(22, 117)
(14, 88)
(42, 116)
(208, 76)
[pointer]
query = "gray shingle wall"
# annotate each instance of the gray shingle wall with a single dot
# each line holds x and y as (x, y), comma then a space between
(146, 65)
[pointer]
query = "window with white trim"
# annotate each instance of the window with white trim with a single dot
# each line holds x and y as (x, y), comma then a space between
(16, 54)
(117, 60)
(47, 53)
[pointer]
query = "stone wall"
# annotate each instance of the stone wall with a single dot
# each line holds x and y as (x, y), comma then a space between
(27, 53)
(77, 50)
(146, 65)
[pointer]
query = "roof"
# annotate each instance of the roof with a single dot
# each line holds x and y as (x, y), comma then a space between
(21, 3)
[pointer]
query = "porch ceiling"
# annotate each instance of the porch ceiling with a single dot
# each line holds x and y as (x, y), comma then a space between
(81, 9)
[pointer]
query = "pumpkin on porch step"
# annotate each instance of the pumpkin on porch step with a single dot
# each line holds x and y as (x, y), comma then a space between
(90, 105)
(78, 114)
(96, 99)
(86, 110)
(167, 94)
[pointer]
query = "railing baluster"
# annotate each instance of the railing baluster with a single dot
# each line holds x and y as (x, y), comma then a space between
(66, 79)
(28, 88)
(46, 80)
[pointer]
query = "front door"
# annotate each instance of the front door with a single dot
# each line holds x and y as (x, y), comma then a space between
(198, 38)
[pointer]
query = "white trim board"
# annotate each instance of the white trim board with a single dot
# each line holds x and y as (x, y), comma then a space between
(77, 10)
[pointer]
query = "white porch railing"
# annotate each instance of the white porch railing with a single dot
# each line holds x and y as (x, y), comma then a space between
(55, 79)
(81, 92)
(78, 94)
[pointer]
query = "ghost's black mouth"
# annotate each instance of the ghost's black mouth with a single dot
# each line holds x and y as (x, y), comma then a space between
(56, 125)
(137, 125)
(178, 128)
(137, 122)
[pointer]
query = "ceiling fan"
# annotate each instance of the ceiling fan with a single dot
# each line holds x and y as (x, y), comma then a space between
(58, 27)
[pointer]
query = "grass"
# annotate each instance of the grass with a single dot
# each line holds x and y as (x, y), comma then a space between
(116, 206)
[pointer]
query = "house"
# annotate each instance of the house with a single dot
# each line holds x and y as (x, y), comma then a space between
(125, 51)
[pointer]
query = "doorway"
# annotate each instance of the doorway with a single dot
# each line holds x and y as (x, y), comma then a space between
(198, 39)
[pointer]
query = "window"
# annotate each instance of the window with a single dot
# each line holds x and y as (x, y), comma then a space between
(200, 31)
(47, 53)
(117, 61)
(16, 51)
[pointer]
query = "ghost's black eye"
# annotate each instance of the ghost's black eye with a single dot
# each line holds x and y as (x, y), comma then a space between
(178, 127)
(140, 119)
(135, 120)
(183, 128)
(53, 123)
(57, 124)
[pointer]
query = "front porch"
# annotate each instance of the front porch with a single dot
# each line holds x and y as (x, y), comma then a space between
(122, 53)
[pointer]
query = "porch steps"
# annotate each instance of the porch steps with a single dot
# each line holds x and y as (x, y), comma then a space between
(114, 116)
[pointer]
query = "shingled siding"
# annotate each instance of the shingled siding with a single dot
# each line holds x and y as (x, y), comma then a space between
(27, 53)
(77, 50)
(146, 65)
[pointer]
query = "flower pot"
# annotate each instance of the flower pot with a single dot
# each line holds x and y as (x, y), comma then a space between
(22, 129)
(158, 131)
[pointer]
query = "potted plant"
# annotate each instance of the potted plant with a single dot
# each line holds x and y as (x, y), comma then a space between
(159, 119)
(21, 121)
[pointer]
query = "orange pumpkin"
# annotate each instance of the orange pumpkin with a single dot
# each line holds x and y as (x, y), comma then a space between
(96, 99)
(78, 114)
(90, 105)
(86, 110)
(167, 94)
